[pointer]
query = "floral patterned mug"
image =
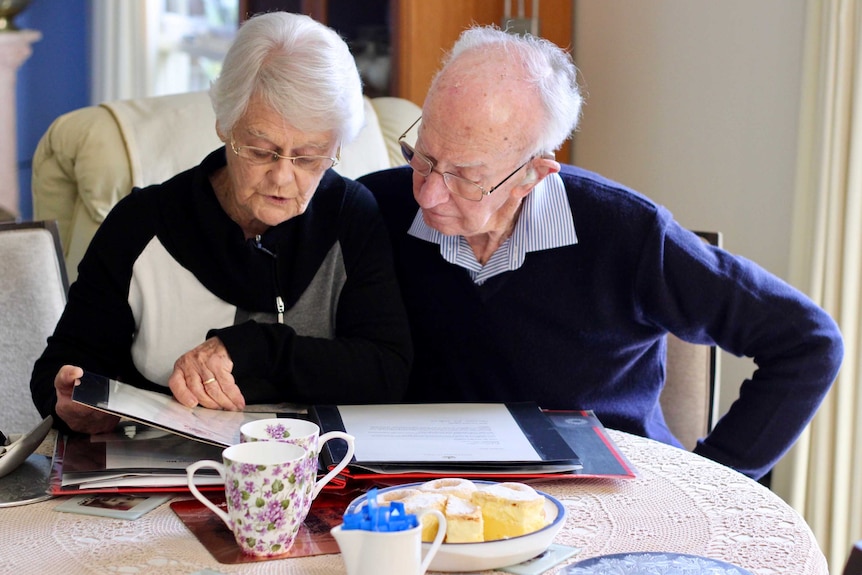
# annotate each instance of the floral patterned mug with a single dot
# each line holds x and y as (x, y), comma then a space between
(266, 487)
(305, 434)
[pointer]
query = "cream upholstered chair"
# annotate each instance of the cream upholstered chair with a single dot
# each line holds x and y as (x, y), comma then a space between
(32, 297)
(689, 399)
(90, 158)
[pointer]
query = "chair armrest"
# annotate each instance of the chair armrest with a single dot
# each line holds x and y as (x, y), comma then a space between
(80, 161)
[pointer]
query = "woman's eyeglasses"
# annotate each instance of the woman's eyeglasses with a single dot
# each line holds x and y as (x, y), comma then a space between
(262, 156)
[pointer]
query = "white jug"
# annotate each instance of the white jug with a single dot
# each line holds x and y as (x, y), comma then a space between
(388, 552)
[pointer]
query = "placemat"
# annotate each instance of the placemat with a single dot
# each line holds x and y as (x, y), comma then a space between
(313, 537)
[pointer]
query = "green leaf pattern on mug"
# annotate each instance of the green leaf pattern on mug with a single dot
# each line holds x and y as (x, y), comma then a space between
(279, 497)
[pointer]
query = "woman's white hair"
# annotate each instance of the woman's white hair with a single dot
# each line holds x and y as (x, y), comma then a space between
(302, 69)
(546, 65)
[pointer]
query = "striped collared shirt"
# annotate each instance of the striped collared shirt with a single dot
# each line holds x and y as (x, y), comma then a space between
(545, 222)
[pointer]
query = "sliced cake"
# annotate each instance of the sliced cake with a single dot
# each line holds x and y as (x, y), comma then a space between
(462, 488)
(423, 500)
(464, 522)
(509, 509)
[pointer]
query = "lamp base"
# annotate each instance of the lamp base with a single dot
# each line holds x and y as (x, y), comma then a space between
(8, 10)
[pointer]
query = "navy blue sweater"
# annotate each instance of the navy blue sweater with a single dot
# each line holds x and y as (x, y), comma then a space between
(584, 326)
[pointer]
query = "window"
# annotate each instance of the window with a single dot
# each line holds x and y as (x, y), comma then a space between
(156, 47)
(193, 38)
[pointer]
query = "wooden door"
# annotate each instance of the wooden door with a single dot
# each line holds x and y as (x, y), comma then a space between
(423, 31)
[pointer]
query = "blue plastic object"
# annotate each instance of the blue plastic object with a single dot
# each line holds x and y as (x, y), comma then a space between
(375, 517)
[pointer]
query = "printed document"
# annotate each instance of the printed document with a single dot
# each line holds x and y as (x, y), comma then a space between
(437, 432)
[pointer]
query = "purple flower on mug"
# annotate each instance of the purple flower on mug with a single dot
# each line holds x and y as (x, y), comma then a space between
(235, 495)
(277, 431)
(273, 515)
(268, 503)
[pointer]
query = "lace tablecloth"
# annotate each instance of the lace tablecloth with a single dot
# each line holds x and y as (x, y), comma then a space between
(679, 503)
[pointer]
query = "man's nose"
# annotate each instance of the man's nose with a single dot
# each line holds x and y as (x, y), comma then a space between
(430, 190)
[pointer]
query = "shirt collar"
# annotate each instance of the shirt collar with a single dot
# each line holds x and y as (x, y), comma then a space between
(545, 222)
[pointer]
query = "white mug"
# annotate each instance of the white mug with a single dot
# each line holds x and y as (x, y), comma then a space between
(266, 487)
(303, 433)
(388, 552)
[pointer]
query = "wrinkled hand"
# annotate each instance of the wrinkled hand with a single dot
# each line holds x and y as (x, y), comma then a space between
(79, 417)
(203, 376)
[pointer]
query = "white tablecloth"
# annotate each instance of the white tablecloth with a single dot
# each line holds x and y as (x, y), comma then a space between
(678, 503)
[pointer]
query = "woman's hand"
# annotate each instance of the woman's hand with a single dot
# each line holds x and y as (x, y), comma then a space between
(203, 376)
(77, 416)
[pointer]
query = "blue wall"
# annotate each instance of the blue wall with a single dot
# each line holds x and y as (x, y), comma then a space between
(53, 81)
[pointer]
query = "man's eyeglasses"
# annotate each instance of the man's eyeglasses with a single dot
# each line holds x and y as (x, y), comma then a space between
(423, 165)
(262, 156)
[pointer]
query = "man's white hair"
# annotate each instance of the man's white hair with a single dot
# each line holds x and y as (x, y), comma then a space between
(545, 65)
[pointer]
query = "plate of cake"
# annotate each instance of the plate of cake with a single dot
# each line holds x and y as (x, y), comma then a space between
(489, 524)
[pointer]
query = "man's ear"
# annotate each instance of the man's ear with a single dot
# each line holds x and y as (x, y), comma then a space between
(544, 166)
(537, 170)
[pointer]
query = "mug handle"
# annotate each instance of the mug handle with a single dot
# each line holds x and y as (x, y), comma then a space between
(190, 472)
(438, 539)
(341, 465)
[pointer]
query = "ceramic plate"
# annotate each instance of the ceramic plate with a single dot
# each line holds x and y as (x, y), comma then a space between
(15, 454)
(489, 554)
(29, 483)
(653, 563)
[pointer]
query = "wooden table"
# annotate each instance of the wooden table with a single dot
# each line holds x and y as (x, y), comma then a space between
(679, 502)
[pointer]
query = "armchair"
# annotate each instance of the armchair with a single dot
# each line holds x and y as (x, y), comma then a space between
(90, 158)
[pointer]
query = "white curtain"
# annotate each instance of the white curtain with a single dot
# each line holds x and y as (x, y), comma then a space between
(124, 45)
(822, 476)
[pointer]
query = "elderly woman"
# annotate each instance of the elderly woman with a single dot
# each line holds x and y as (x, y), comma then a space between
(260, 275)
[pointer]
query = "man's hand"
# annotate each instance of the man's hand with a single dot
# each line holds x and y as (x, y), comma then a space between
(203, 376)
(79, 417)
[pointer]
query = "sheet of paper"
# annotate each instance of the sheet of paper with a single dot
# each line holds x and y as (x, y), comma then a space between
(171, 453)
(147, 480)
(133, 446)
(211, 425)
(436, 432)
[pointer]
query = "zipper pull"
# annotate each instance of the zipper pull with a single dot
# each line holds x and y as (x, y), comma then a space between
(259, 245)
(279, 306)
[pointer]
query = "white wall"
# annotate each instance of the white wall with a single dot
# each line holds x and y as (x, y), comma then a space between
(694, 103)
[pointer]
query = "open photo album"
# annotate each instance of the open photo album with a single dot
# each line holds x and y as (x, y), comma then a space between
(158, 437)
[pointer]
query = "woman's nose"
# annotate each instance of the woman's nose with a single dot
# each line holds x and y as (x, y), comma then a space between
(283, 171)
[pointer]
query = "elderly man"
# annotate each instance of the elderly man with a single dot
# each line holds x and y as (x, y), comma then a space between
(528, 280)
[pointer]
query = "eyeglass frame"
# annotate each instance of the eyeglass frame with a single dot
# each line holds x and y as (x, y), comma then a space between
(276, 156)
(407, 148)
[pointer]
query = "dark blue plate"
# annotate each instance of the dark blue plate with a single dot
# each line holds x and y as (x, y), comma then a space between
(652, 563)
